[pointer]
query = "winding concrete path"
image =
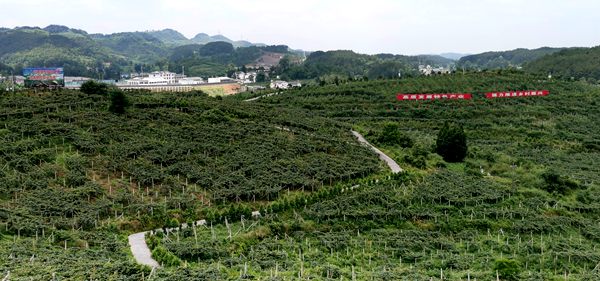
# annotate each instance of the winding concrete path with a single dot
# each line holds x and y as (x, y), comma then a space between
(137, 241)
(140, 250)
(389, 161)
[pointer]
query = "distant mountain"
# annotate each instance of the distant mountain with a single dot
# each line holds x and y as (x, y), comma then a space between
(507, 59)
(109, 55)
(220, 38)
(203, 38)
(415, 61)
(61, 29)
(137, 46)
(350, 64)
(72, 49)
(169, 37)
(215, 58)
(575, 62)
(453, 56)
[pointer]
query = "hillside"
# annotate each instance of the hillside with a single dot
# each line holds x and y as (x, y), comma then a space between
(571, 63)
(507, 59)
(347, 63)
(136, 46)
(217, 58)
(524, 204)
(87, 175)
(203, 38)
(110, 55)
(78, 53)
(169, 37)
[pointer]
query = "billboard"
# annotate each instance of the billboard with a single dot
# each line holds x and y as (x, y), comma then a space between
(401, 97)
(44, 76)
(516, 94)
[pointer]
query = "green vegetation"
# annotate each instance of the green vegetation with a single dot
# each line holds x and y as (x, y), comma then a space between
(350, 64)
(577, 63)
(522, 205)
(118, 102)
(502, 60)
(507, 269)
(451, 143)
(215, 58)
(108, 56)
(92, 87)
(392, 135)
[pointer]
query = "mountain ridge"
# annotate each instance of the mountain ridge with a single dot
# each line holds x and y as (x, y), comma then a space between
(504, 59)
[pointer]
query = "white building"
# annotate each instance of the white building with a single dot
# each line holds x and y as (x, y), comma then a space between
(216, 80)
(280, 84)
(157, 78)
(191, 81)
(19, 80)
(246, 77)
(75, 82)
(428, 70)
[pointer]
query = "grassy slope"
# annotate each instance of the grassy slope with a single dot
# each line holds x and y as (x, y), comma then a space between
(413, 226)
(70, 169)
(453, 220)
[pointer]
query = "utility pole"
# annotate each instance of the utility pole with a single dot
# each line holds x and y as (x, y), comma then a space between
(12, 80)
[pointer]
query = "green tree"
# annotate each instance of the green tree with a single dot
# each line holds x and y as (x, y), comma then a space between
(555, 183)
(261, 77)
(392, 135)
(284, 64)
(451, 143)
(507, 269)
(118, 102)
(92, 87)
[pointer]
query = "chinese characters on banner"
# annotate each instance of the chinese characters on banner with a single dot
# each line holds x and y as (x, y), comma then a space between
(516, 94)
(491, 95)
(434, 96)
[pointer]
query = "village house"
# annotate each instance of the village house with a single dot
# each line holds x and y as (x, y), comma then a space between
(280, 84)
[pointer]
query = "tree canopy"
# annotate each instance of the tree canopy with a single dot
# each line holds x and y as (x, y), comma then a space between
(451, 143)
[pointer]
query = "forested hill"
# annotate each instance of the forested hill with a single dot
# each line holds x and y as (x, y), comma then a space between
(108, 56)
(76, 51)
(576, 63)
(505, 59)
(350, 64)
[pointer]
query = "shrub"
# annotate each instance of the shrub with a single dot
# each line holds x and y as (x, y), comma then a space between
(507, 269)
(164, 257)
(418, 157)
(451, 143)
(555, 183)
(391, 135)
(92, 87)
(118, 102)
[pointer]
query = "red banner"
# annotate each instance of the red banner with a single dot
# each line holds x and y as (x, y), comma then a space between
(434, 96)
(516, 94)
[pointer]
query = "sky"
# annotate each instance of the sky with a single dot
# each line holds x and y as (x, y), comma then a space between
(407, 27)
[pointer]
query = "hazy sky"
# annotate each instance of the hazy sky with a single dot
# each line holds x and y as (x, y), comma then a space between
(366, 26)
